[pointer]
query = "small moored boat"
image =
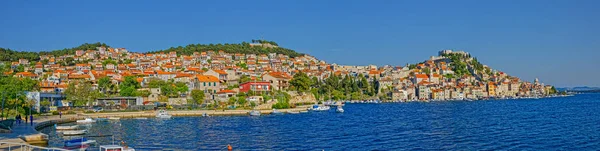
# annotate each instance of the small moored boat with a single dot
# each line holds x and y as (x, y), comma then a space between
(86, 120)
(75, 132)
(320, 108)
(78, 142)
(275, 111)
(72, 127)
(293, 112)
(80, 148)
(115, 148)
(163, 114)
(254, 113)
(339, 109)
(114, 118)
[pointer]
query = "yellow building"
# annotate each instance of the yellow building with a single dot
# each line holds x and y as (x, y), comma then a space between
(491, 89)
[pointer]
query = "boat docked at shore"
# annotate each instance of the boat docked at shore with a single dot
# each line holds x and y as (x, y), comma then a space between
(115, 148)
(87, 120)
(163, 114)
(74, 132)
(114, 118)
(205, 114)
(320, 108)
(275, 111)
(339, 109)
(254, 113)
(78, 142)
(80, 148)
(72, 127)
(293, 112)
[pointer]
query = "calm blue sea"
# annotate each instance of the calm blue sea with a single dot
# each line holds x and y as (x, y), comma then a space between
(569, 123)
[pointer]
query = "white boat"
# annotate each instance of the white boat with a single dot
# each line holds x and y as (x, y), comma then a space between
(163, 114)
(339, 110)
(78, 142)
(293, 112)
(115, 148)
(205, 115)
(320, 108)
(79, 148)
(114, 118)
(86, 120)
(72, 127)
(275, 111)
(140, 118)
(75, 132)
(254, 113)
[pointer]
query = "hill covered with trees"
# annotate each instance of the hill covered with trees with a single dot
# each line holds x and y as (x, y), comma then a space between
(12, 55)
(244, 48)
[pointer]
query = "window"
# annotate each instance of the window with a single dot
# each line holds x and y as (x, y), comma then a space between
(214, 83)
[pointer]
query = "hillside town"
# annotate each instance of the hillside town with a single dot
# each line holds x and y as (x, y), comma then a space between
(107, 76)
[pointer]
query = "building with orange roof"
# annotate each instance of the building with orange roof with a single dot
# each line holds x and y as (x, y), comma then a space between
(209, 84)
(278, 80)
(26, 75)
(163, 75)
(221, 74)
(224, 95)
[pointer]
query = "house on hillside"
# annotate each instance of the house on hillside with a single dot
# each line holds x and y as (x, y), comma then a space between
(278, 80)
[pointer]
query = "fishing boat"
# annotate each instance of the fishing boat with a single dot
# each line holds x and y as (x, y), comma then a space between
(163, 114)
(72, 127)
(78, 142)
(254, 113)
(74, 132)
(275, 111)
(339, 109)
(115, 148)
(86, 120)
(114, 118)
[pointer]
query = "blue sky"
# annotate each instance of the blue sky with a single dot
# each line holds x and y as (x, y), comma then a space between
(554, 40)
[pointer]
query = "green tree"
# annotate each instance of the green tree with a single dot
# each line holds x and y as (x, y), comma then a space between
(426, 70)
(231, 101)
(181, 87)
(70, 61)
(242, 101)
(129, 86)
(104, 83)
(245, 78)
(130, 81)
(198, 96)
(301, 82)
(143, 93)
(128, 91)
(81, 94)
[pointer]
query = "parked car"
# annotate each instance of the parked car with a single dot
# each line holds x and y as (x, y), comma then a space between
(98, 109)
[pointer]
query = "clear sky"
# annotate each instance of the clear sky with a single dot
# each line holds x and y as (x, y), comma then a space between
(554, 40)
